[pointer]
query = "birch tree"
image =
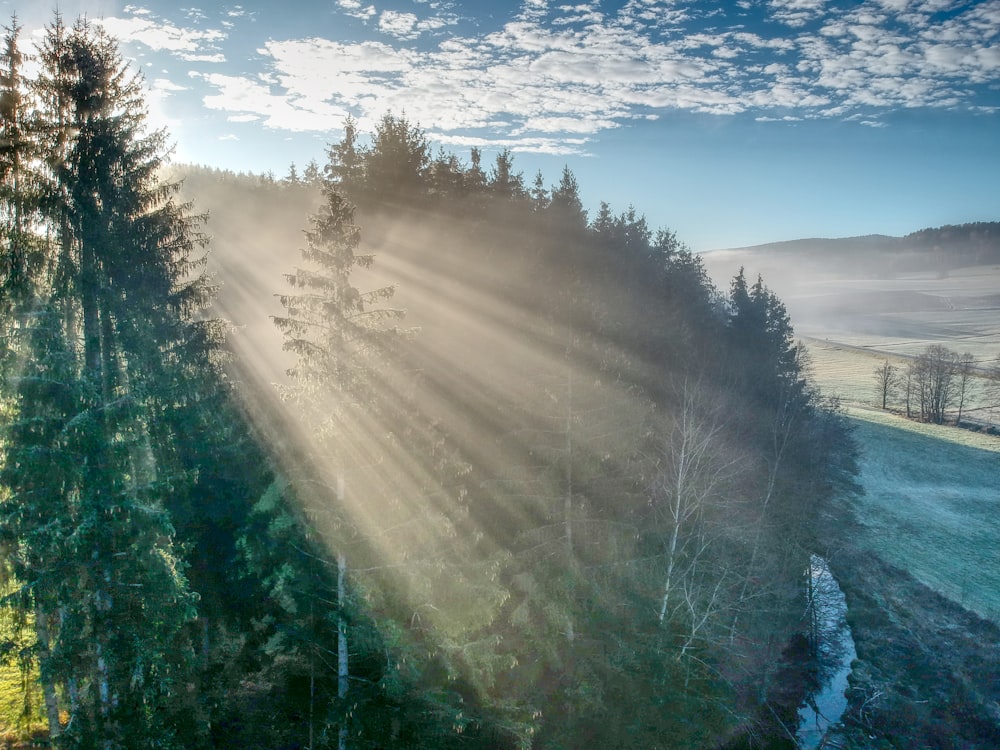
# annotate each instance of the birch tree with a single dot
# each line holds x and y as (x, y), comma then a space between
(693, 503)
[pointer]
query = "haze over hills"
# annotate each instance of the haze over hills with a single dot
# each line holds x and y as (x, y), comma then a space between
(937, 249)
(934, 248)
(861, 288)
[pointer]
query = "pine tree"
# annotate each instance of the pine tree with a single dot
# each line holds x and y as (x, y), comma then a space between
(100, 355)
(373, 490)
(19, 151)
(335, 331)
(565, 204)
(397, 163)
(504, 181)
(345, 167)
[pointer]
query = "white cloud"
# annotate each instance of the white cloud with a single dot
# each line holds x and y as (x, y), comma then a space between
(160, 35)
(399, 25)
(569, 71)
(356, 9)
(165, 85)
(583, 125)
(246, 97)
(797, 13)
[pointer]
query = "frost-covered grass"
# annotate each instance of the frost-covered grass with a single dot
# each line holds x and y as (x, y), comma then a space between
(932, 504)
(847, 370)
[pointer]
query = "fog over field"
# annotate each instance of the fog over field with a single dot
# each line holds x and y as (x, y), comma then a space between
(872, 305)
(930, 491)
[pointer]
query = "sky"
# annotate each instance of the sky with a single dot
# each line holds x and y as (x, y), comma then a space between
(732, 124)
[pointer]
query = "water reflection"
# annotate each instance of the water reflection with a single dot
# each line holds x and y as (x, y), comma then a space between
(833, 648)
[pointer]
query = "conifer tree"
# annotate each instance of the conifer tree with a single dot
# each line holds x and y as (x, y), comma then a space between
(370, 455)
(345, 167)
(397, 162)
(18, 184)
(504, 181)
(475, 178)
(335, 331)
(99, 356)
(565, 203)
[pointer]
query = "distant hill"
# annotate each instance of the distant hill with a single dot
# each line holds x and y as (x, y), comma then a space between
(939, 250)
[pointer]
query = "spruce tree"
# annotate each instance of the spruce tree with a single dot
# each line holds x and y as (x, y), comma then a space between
(371, 490)
(335, 331)
(99, 355)
(20, 181)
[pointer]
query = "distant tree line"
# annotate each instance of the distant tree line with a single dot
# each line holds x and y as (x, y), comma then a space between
(956, 246)
(936, 383)
(563, 498)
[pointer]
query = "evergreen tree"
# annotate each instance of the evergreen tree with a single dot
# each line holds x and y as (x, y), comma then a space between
(565, 203)
(99, 356)
(345, 167)
(539, 194)
(19, 181)
(334, 330)
(446, 175)
(397, 162)
(475, 178)
(503, 180)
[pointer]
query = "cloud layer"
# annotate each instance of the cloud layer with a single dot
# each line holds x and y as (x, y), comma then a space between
(551, 76)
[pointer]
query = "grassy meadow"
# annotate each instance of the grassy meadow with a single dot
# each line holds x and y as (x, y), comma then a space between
(932, 505)
(932, 493)
(22, 711)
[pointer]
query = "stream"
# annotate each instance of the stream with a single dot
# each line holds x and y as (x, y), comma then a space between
(833, 645)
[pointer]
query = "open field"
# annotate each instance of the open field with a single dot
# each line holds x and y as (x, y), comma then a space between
(932, 505)
(918, 554)
(845, 369)
(932, 502)
(900, 317)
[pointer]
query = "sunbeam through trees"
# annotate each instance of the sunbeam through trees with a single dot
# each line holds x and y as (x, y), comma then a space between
(454, 466)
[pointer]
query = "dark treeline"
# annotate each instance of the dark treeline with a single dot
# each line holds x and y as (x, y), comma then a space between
(531, 480)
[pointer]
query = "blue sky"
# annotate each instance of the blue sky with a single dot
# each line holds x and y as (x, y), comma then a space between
(730, 123)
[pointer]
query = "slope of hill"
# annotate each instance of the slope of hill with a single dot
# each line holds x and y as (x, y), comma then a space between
(938, 249)
(913, 553)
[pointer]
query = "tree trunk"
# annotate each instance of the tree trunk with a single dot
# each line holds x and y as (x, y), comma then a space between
(568, 502)
(343, 666)
(43, 637)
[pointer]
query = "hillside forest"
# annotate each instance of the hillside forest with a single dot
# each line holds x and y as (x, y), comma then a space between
(529, 481)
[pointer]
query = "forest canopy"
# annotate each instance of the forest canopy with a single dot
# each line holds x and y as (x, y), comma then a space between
(530, 481)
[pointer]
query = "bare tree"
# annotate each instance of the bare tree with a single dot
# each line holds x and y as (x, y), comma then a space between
(965, 365)
(909, 391)
(992, 390)
(695, 467)
(887, 378)
(933, 376)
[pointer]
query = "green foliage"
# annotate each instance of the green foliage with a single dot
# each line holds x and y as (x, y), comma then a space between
(21, 707)
(101, 354)
(529, 527)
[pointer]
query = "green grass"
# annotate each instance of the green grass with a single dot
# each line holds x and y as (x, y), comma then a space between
(932, 502)
(932, 505)
(22, 710)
